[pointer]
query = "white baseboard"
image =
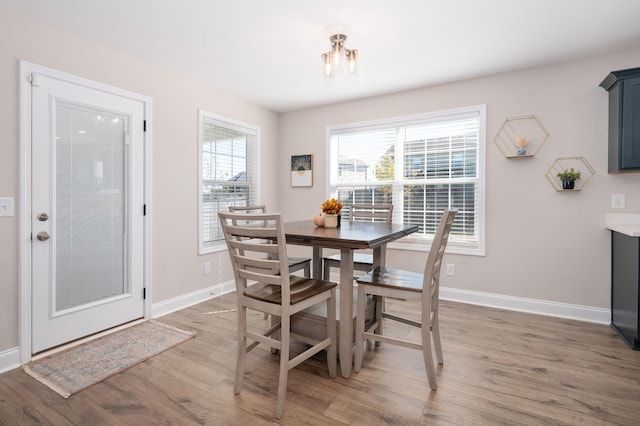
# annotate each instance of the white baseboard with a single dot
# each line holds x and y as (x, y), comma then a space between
(512, 303)
(184, 301)
(9, 359)
(533, 306)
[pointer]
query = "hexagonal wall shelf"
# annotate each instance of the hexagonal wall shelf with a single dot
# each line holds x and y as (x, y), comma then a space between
(521, 137)
(563, 163)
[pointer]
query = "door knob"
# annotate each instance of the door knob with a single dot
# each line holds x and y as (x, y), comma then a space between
(42, 236)
(43, 217)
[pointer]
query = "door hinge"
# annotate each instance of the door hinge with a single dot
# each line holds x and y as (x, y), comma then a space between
(144, 210)
(34, 78)
(144, 293)
(144, 125)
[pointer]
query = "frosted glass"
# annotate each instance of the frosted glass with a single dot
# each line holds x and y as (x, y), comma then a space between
(90, 212)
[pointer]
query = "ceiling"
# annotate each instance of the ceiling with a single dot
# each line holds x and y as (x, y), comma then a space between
(269, 51)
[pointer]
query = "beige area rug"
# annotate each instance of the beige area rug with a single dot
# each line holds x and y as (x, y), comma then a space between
(72, 370)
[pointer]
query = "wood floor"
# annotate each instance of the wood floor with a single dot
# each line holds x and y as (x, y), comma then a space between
(500, 367)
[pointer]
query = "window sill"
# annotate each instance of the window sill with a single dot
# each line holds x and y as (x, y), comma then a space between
(451, 248)
(212, 249)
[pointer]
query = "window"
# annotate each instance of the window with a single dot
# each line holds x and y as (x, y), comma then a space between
(228, 173)
(423, 165)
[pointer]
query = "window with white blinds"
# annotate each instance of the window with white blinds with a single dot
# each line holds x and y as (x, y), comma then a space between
(422, 165)
(228, 173)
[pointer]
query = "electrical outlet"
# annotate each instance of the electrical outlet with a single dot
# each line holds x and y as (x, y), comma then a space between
(6, 206)
(617, 201)
(207, 268)
(451, 269)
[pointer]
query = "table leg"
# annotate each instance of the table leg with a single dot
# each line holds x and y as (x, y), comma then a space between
(379, 259)
(346, 312)
(317, 263)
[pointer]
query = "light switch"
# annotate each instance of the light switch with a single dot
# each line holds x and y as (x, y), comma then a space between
(6, 206)
(617, 201)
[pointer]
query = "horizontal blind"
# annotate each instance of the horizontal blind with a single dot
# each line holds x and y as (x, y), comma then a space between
(422, 164)
(228, 173)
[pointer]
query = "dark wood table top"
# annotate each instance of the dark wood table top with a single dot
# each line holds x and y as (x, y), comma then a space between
(356, 235)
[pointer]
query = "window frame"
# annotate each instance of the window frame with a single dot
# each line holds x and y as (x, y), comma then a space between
(411, 242)
(251, 168)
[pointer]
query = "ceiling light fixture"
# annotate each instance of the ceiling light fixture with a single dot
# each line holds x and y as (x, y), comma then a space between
(339, 59)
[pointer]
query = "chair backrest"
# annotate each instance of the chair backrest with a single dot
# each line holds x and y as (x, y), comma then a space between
(431, 282)
(251, 236)
(370, 213)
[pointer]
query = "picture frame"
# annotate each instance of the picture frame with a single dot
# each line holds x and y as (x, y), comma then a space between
(302, 170)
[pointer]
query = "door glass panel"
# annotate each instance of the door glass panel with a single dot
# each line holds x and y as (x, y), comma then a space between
(90, 206)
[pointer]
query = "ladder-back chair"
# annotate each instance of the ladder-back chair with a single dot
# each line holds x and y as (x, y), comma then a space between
(295, 263)
(258, 251)
(360, 213)
(408, 285)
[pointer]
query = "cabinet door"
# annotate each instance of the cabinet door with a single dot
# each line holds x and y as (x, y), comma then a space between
(630, 125)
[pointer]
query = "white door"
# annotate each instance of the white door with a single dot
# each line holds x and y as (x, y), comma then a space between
(87, 218)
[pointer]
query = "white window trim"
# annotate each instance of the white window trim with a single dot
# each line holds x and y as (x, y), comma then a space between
(480, 249)
(221, 245)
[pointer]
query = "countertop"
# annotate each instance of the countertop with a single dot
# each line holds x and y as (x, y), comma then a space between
(624, 223)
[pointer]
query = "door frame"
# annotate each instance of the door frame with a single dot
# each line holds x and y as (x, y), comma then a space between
(24, 193)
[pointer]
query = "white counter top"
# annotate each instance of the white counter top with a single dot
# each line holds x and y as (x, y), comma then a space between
(628, 224)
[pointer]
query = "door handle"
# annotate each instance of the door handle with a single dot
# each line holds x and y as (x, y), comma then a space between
(43, 217)
(42, 236)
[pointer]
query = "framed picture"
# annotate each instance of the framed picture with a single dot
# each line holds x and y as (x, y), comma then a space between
(301, 172)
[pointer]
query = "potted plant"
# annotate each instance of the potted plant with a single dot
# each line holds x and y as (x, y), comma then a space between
(569, 178)
(521, 145)
(331, 209)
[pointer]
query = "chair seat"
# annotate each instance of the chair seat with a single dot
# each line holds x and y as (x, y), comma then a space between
(393, 278)
(358, 258)
(301, 289)
(297, 261)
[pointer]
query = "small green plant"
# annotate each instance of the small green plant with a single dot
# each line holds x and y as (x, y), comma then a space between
(569, 175)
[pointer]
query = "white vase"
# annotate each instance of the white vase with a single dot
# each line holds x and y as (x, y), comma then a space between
(330, 220)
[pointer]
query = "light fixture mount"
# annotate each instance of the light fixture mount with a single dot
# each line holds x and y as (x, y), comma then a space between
(339, 59)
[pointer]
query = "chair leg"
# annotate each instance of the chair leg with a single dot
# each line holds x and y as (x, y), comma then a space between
(380, 309)
(332, 353)
(307, 270)
(285, 332)
(435, 332)
(274, 321)
(360, 320)
(242, 349)
(427, 353)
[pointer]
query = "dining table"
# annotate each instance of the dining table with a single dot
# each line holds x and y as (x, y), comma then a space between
(347, 238)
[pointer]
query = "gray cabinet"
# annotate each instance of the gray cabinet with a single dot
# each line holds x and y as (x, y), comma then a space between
(625, 288)
(624, 119)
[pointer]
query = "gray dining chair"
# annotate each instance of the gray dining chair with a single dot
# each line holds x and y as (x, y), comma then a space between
(295, 263)
(258, 251)
(360, 213)
(407, 285)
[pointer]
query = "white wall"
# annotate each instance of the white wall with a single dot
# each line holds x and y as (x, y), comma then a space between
(177, 269)
(541, 244)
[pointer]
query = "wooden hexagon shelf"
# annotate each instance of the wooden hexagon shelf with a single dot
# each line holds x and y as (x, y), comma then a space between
(563, 163)
(521, 137)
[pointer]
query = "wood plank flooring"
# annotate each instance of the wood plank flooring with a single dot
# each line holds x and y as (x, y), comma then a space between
(501, 368)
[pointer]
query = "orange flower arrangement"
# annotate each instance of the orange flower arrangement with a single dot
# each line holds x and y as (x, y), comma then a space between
(331, 206)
